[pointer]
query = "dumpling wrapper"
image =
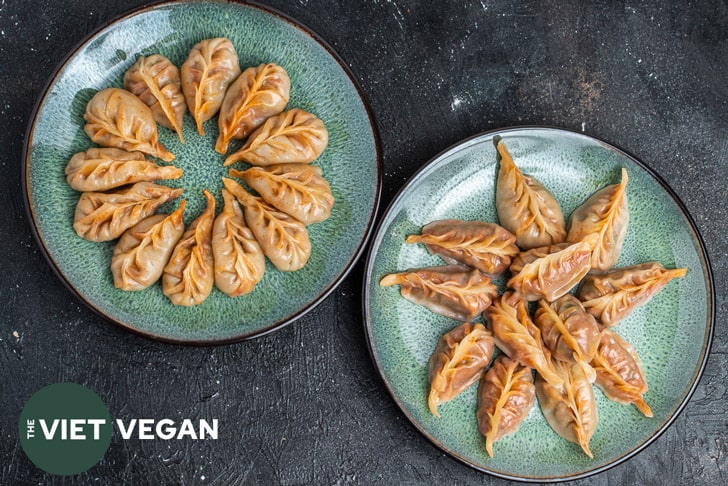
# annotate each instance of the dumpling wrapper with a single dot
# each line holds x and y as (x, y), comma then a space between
(606, 214)
(296, 189)
(486, 246)
(239, 259)
(104, 216)
(505, 396)
(116, 118)
(156, 81)
(101, 169)
(569, 409)
(459, 360)
(293, 136)
(611, 296)
(144, 249)
(283, 238)
(518, 337)
(453, 291)
(189, 275)
(620, 373)
(256, 95)
(210, 68)
(525, 207)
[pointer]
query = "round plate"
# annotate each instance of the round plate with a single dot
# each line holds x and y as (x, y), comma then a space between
(320, 83)
(672, 333)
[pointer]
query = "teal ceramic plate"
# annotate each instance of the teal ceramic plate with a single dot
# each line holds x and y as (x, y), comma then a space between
(672, 333)
(320, 83)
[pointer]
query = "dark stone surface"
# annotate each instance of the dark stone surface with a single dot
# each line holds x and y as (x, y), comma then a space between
(305, 404)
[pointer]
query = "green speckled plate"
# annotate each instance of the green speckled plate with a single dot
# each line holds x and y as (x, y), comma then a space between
(672, 333)
(320, 83)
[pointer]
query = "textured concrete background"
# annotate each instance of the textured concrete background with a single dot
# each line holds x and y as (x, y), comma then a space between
(305, 404)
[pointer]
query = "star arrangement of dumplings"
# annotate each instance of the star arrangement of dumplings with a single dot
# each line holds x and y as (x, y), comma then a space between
(119, 196)
(557, 351)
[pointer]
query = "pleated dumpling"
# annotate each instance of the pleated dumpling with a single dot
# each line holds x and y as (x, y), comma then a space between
(605, 214)
(189, 275)
(505, 396)
(156, 81)
(210, 68)
(104, 216)
(239, 259)
(459, 360)
(116, 118)
(144, 249)
(294, 136)
(525, 207)
(296, 189)
(101, 169)
(284, 239)
(256, 95)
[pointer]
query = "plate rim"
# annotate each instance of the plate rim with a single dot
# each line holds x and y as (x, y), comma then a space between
(708, 276)
(336, 281)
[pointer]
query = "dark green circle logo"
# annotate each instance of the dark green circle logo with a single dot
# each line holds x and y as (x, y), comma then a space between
(65, 429)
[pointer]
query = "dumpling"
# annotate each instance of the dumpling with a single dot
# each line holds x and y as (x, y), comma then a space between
(210, 68)
(486, 246)
(505, 396)
(459, 360)
(453, 291)
(156, 81)
(104, 216)
(525, 207)
(256, 95)
(239, 260)
(189, 275)
(543, 275)
(116, 118)
(144, 249)
(101, 169)
(611, 296)
(568, 331)
(620, 374)
(294, 136)
(518, 337)
(606, 214)
(296, 189)
(284, 239)
(569, 409)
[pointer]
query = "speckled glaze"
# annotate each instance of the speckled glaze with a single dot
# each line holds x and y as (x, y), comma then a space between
(672, 333)
(319, 83)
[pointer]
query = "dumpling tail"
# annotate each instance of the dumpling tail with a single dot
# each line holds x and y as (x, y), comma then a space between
(643, 407)
(221, 145)
(163, 153)
(585, 447)
(489, 445)
(389, 280)
(433, 401)
(677, 273)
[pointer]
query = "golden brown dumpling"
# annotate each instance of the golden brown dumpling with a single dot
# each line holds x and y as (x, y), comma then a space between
(611, 296)
(486, 246)
(459, 360)
(505, 396)
(569, 409)
(294, 136)
(104, 216)
(525, 207)
(239, 260)
(144, 249)
(116, 118)
(210, 68)
(620, 374)
(189, 275)
(256, 95)
(551, 275)
(454, 291)
(605, 214)
(517, 336)
(156, 81)
(101, 169)
(296, 189)
(284, 239)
